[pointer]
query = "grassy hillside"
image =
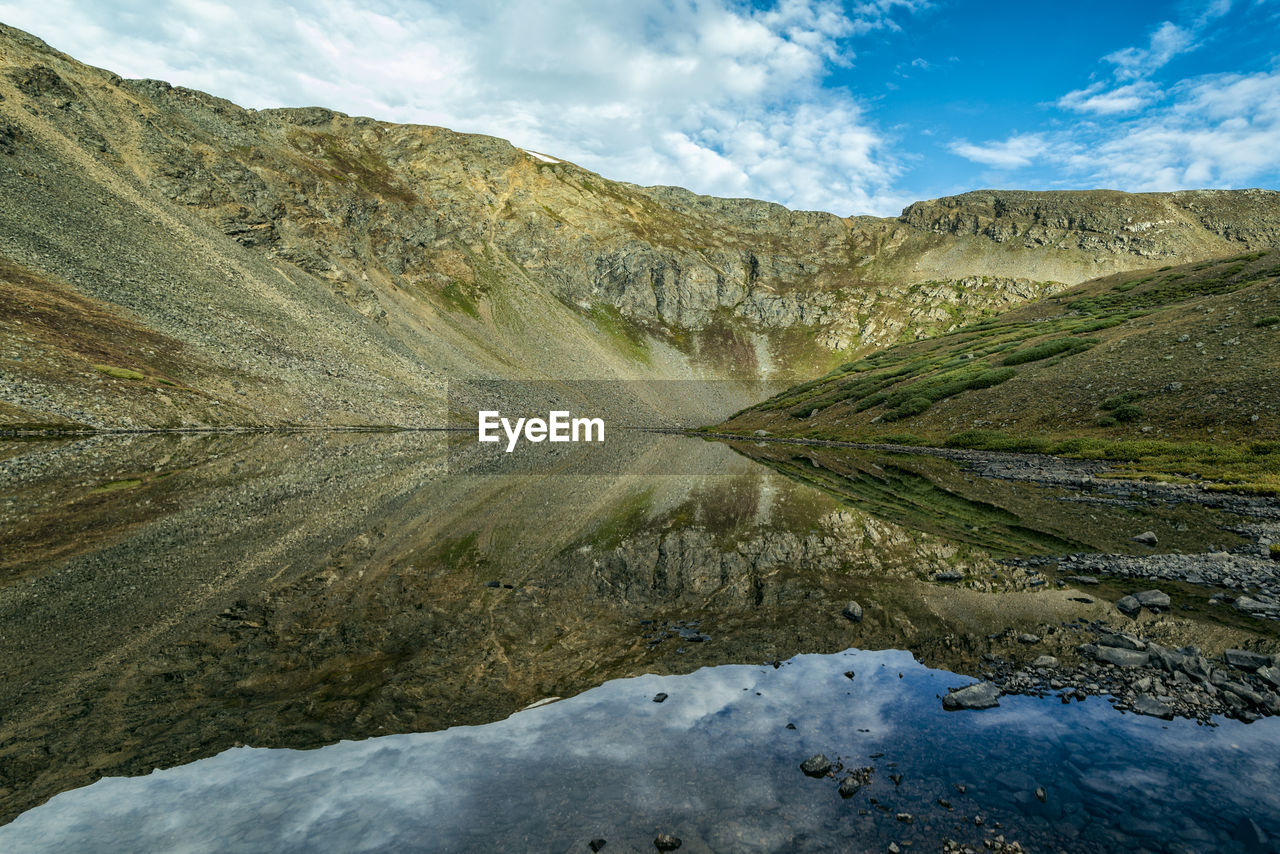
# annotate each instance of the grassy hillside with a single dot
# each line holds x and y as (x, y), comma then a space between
(1174, 369)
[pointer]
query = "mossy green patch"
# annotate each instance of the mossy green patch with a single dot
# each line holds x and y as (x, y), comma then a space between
(627, 517)
(120, 373)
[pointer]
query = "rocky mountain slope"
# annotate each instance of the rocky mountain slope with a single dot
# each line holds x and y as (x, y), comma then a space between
(168, 258)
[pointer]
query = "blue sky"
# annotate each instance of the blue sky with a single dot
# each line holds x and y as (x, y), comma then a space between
(853, 107)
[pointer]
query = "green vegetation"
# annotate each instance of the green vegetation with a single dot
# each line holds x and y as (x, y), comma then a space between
(461, 298)
(1267, 321)
(1054, 347)
(460, 552)
(117, 485)
(626, 336)
(625, 519)
(341, 161)
(120, 373)
(1275, 551)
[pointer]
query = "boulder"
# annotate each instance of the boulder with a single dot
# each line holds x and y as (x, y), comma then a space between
(981, 695)
(1152, 598)
(1243, 659)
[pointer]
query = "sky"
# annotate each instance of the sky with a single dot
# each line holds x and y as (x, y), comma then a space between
(855, 107)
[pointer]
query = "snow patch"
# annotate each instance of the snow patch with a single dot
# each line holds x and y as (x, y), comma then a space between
(536, 156)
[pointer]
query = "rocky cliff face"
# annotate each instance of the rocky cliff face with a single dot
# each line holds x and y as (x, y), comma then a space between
(304, 266)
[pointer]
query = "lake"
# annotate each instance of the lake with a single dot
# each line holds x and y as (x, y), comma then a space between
(330, 641)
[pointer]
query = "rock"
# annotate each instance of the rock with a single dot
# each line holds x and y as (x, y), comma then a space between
(659, 697)
(597, 844)
(1027, 637)
(981, 695)
(1128, 605)
(1243, 659)
(1145, 704)
(949, 575)
(1250, 605)
(852, 612)
(1270, 674)
(1082, 579)
(850, 786)
(1045, 661)
(894, 849)
(816, 766)
(493, 584)
(666, 842)
(905, 817)
(1121, 657)
(1244, 692)
(1041, 795)
(1152, 599)
(1122, 640)
(1147, 538)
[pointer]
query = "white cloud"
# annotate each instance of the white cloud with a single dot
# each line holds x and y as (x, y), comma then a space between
(710, 95)
(1167, 41)
(1123, 99)
(1220, 130)
(1016, 151)
(1130, 89)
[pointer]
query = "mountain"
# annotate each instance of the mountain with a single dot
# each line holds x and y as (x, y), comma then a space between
(1174, 366)
(168, 258)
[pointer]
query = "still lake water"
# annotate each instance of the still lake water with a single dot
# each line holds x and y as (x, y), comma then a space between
(326, 641)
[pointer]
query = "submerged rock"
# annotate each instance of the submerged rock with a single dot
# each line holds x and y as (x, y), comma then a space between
(667, 842)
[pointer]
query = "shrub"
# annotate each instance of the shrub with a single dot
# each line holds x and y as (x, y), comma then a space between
(1267, 321)
(1120, 400)
(912, 406)
(1127, 412)
(1053, 347)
